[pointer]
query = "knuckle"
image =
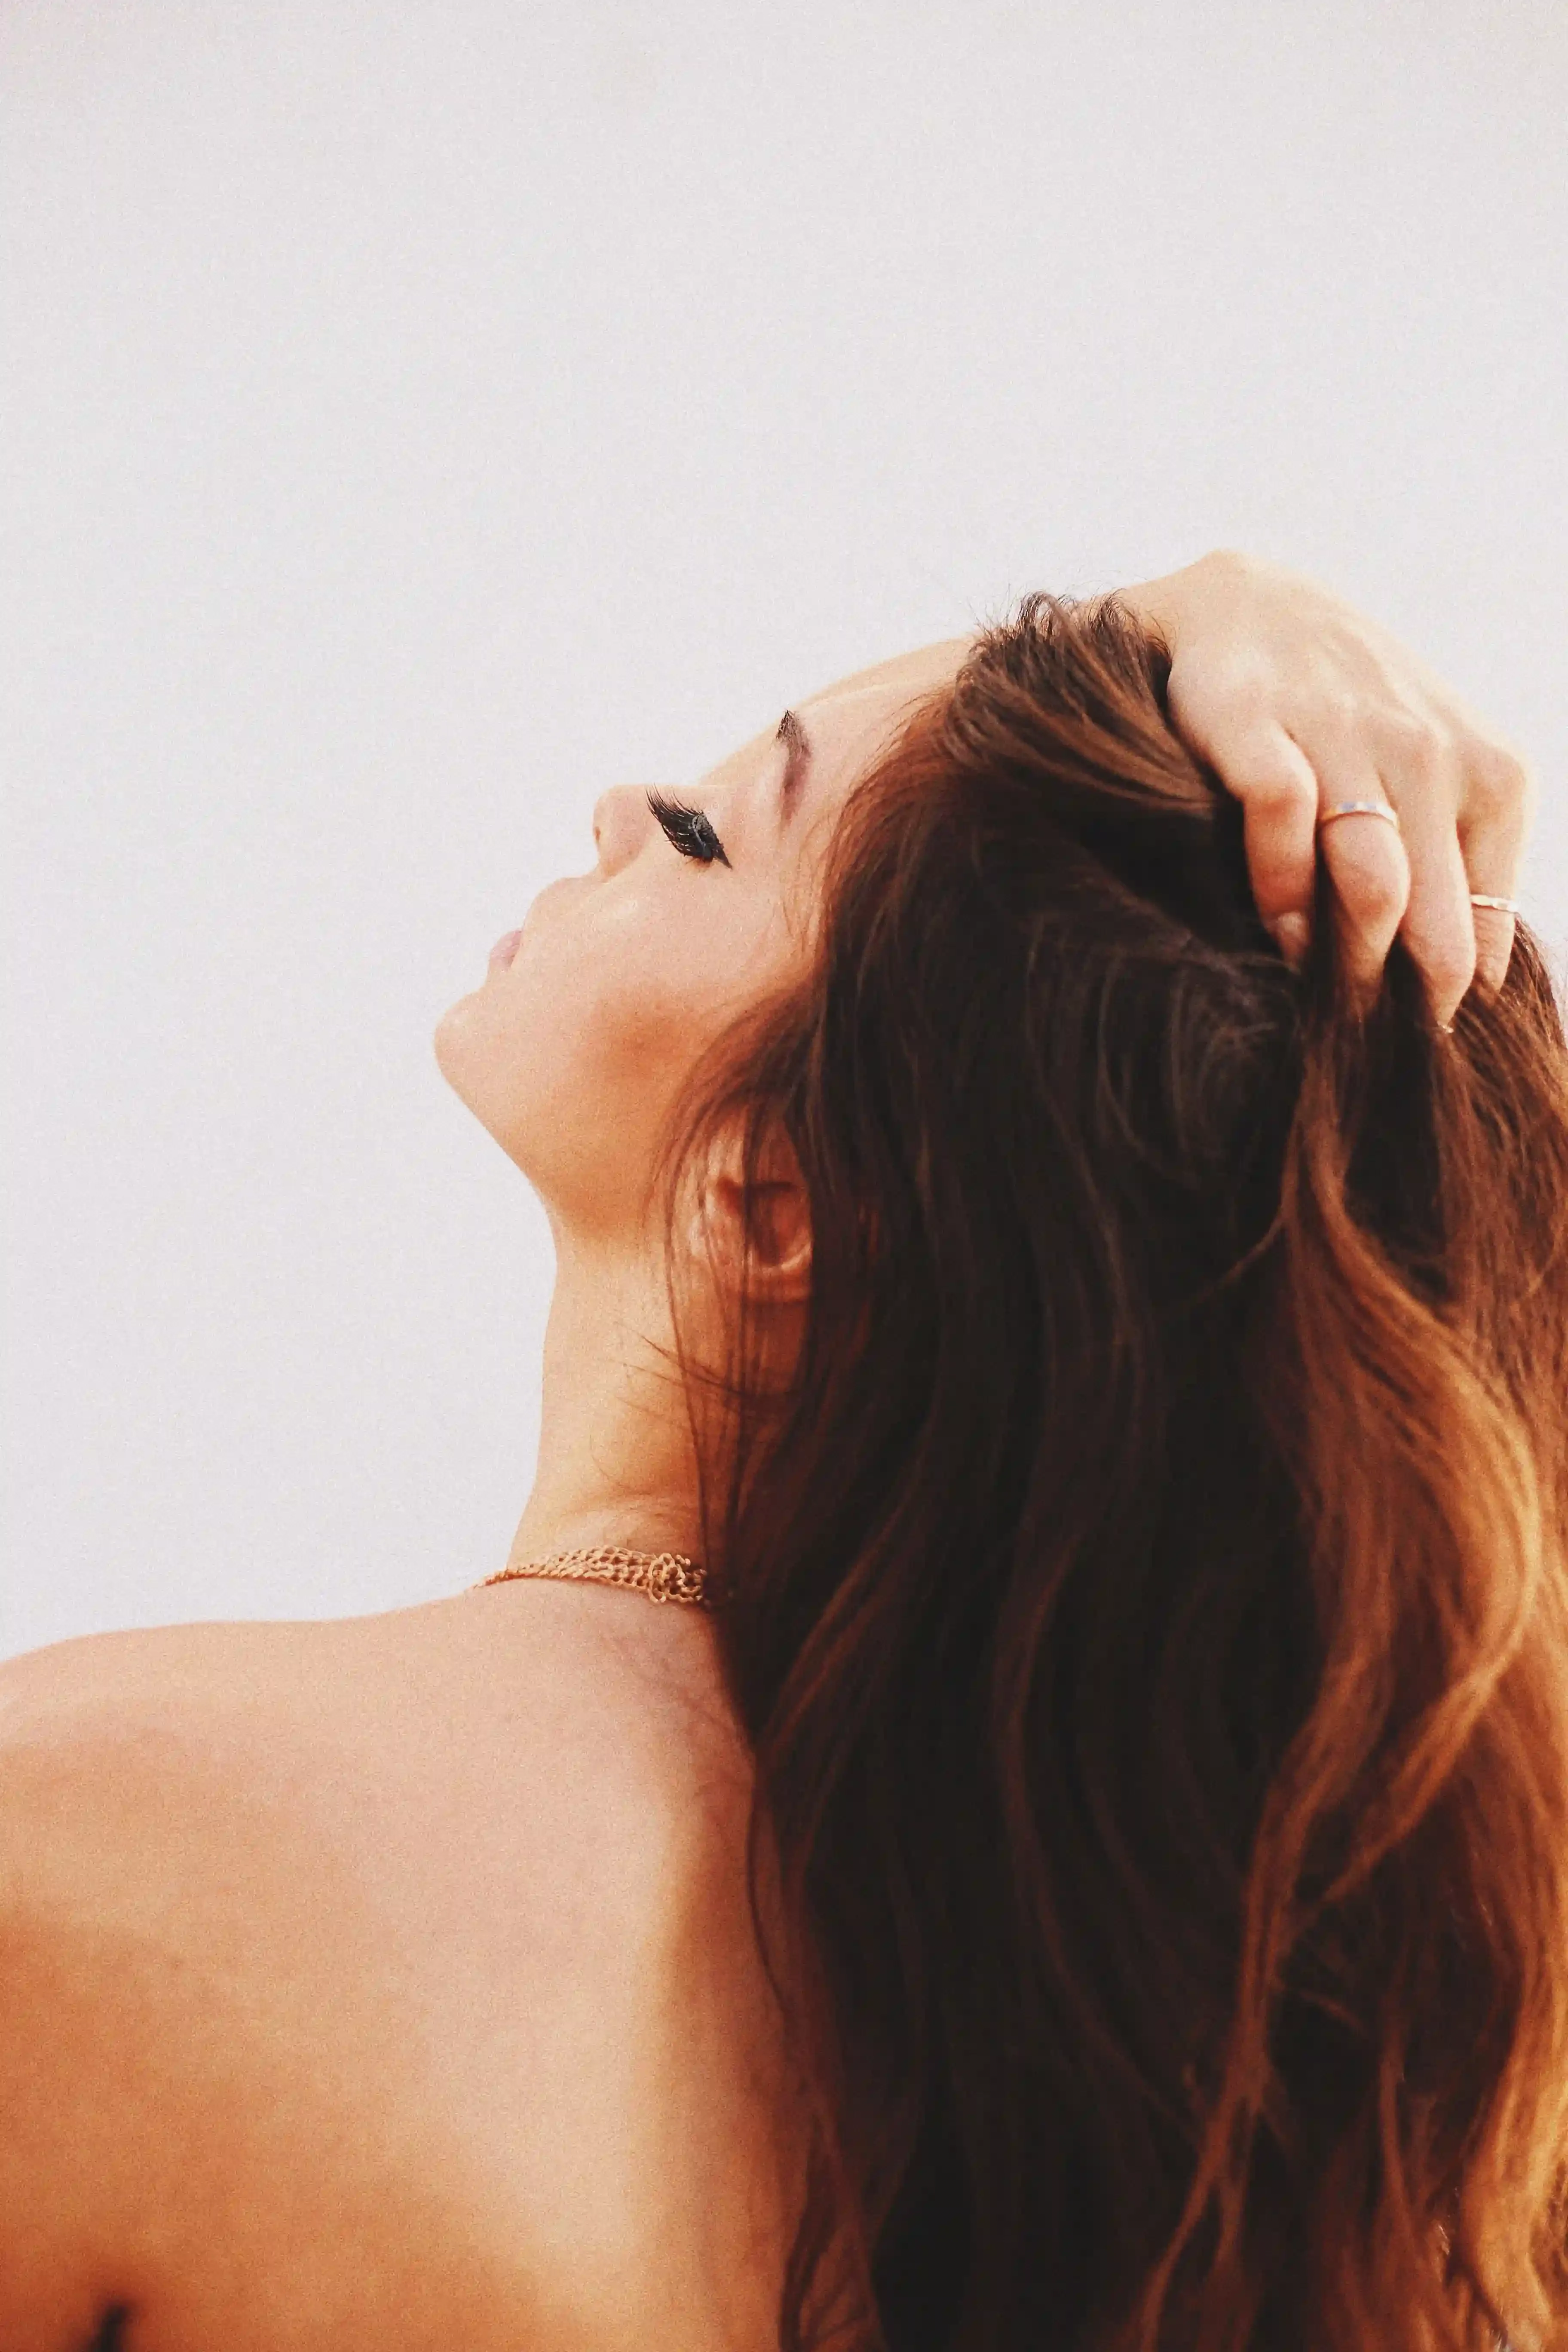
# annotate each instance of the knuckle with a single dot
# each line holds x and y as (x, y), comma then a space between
(1338, 714)
(1500, 781)
(1270, 771)
(1417, 745)
(1282, 792)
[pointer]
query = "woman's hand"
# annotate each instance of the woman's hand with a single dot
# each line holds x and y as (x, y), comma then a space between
(1297, 702)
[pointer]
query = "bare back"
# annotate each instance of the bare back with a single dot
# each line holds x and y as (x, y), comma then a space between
(386, 1980)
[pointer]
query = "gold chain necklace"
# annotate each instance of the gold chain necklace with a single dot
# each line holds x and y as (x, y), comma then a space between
(662, 1575)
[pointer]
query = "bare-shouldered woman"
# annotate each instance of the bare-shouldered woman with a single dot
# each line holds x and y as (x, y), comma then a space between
(541, 1967)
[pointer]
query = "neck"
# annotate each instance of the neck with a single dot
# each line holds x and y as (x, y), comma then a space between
(617, 1464)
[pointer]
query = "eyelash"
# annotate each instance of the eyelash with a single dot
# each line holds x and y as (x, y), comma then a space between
(687, 829)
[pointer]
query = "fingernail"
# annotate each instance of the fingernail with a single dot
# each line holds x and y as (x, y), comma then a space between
(1293, 935)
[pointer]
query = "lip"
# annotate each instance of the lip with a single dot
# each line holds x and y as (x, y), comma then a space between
(505, 948)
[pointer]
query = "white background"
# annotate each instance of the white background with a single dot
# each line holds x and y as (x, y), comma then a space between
(421, 414)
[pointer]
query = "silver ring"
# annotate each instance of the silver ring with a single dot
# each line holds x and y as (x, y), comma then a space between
(1360, 808)
(1503, 905)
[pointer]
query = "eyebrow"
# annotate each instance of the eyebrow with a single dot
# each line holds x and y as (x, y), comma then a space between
(792, 732)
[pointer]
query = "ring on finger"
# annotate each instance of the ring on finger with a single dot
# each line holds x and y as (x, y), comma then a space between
(1380, 808)
(1360, 808)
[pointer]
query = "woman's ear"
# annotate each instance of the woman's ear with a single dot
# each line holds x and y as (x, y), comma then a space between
(759, 1234)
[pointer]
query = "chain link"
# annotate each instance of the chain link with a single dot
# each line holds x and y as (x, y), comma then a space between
(661, 1575)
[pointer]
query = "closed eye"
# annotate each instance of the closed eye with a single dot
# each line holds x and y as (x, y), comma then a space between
(687, 829)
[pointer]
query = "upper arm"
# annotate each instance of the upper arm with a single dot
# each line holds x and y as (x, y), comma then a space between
(63, 2184)
(79, 2066)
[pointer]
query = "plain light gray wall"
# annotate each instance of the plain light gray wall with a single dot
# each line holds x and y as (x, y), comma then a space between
(419, 416)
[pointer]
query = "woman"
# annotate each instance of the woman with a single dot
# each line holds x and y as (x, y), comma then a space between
(1089, 1865)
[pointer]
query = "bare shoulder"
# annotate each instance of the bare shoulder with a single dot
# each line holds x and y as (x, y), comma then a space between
(368, 1916)
(125, 1755)
(465, 1783)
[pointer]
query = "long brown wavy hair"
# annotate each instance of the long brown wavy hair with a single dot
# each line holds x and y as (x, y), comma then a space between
(1146, 1597)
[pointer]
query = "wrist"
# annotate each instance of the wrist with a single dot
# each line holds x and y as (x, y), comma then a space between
(1163, 603)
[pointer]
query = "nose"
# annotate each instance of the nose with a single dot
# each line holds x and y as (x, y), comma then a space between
(621, 821)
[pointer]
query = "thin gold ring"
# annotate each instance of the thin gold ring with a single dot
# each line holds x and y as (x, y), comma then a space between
(1361, 808)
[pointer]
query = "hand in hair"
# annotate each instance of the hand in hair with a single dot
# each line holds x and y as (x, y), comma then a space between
(1297, 702)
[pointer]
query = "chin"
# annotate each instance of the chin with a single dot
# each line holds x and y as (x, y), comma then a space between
(447, 1042)
(466, 1056)
(479, 1063)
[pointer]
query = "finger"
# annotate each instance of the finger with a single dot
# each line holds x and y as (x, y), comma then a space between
(1274, 781)
(1494, 823)
(1437, 926)
(1368, 866)
(1494, 946)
